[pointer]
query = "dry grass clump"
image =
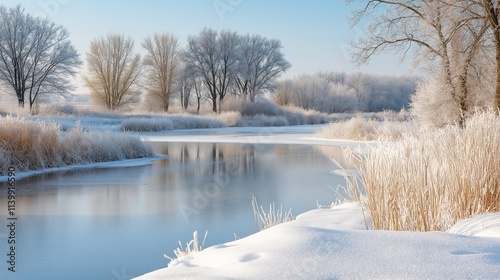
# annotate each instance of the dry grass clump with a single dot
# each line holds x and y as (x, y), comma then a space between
(191, 247)
(265, 220)
(27, 145)
(431, 180)
(34, 145)
(359, 128)
(231, 118)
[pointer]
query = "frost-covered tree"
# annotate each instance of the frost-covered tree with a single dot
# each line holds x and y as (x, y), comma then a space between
(261, 63)
(341, 99)
(435, 109)
(310, 91)
(359, 84)
(229, 63)
(489, 11)
(36, 56)
(161, 65)
(443, 35)
(228, 45)
(113, 71)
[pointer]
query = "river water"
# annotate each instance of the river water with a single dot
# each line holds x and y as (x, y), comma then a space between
(117, 223)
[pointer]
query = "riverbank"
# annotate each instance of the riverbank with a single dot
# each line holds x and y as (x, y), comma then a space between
(335, 244)
(30, 146)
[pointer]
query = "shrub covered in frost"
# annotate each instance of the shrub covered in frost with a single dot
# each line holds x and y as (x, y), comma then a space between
(147, 124)
(293, 115)
(262, 120)
(366, 129)
(163, 123)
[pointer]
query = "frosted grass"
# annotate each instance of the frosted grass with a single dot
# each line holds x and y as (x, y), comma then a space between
(35, 145)
(430, 180)
(366, 129)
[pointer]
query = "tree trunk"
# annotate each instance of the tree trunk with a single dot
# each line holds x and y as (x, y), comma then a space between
(497, 91)
(462, 96)
(198, 109)
(214, 105)
(186, 102)
(492, 16)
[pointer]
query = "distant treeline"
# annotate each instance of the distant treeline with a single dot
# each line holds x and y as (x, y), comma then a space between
(331, 92)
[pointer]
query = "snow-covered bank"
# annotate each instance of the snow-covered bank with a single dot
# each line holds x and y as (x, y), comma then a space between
(334, 244)
(100, 165)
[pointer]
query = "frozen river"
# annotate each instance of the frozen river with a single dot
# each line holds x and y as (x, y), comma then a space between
(117, 223)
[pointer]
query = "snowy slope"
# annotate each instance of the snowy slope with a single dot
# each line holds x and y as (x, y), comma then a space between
(334, 244)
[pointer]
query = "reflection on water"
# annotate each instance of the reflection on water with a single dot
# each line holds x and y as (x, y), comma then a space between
(101, 223)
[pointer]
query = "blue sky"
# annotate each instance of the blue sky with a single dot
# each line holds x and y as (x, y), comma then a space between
(315, 34)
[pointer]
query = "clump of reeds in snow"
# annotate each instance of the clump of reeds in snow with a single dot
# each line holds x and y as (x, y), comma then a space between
(265, 220)
(359, 128)
(430, 180)
(191, 246)
(34, 145)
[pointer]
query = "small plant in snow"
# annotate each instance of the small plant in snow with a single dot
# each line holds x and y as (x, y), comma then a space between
(191, 246)
(269, 219)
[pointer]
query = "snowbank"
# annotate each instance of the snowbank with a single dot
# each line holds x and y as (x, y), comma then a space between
(486, 225)
(77, 167)
(334, 244)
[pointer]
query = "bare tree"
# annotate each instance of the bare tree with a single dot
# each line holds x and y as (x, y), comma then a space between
(197, 83)
(213, 56)
(162, 66)
(492, 15)
(113, 71)
(202, 56)
(261, 63)
(184, 85)
(188, 82)
(282, 93)
(36, 56)
(441, 33)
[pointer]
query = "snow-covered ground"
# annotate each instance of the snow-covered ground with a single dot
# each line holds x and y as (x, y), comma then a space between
(334, 244)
